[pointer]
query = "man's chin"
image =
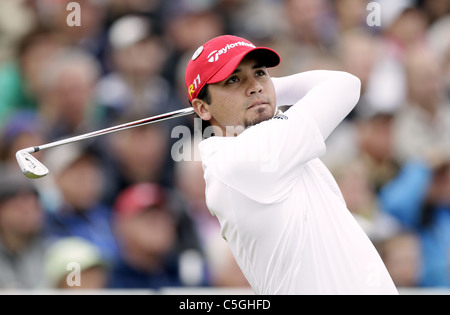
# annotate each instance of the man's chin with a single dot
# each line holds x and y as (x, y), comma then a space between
(261, 114)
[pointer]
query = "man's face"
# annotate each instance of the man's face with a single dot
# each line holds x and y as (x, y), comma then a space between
(245, 98)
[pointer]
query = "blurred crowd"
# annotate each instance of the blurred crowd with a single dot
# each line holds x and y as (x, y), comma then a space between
(118, 211)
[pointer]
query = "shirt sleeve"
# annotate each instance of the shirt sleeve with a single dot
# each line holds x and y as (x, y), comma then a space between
(265, 161)
(328, 96)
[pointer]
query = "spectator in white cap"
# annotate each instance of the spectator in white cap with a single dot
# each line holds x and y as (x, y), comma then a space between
(75, 263)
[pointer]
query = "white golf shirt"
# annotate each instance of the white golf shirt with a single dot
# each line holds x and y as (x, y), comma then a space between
(280, 209)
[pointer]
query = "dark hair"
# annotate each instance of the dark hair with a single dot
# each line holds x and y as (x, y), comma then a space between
(204, 94)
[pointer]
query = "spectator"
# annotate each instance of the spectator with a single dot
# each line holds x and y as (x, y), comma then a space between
(66, 98)
(358, 54)
(135, 85)
(376, 145)
(351, 14)
(139, 154)
(439, 43)
(19, 76)
(89, 35)
(146, 230)
(22, 130)
(180, 22)
(191, 186)
(403, 27)
(361, 198)
(79, 181)
(382, 79)
(401, 253)
(406, 30)
(357, 190)
(369, 164)
(423, 126)
(75, 263)
(419, 199)
(221, 265)
(16, 20)
(257, 19)
(434, 10)
(303, 17)
(309, 32)
(22, 247)
(152, 9)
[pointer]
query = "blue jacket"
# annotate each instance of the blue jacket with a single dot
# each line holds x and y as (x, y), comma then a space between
(404, 198)
(93, 224)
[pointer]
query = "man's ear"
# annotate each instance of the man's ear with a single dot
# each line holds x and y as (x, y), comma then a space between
(201, 108)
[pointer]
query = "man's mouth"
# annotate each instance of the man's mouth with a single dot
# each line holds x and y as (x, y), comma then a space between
(256, 104)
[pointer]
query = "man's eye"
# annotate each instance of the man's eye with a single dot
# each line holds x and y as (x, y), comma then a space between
(260, 73)
(232, 79)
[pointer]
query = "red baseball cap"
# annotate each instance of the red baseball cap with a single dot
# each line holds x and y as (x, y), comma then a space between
(139, 197)
(218, 58)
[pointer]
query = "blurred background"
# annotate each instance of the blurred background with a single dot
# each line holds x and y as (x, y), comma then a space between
(129, 216)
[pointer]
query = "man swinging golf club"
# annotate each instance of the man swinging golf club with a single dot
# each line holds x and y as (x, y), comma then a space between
(282, 212)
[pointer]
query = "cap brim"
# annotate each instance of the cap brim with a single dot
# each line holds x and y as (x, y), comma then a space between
(268, 58)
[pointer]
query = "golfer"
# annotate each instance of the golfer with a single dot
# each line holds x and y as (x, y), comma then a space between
(279, 207)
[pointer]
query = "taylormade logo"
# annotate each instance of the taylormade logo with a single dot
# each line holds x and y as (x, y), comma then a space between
(214, 55)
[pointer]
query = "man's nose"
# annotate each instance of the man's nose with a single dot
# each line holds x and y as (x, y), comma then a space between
(254, 87)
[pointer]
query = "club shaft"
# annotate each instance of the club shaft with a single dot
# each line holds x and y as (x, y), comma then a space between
(132, 124)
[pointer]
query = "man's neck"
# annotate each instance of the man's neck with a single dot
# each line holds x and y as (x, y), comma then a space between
(233, 131)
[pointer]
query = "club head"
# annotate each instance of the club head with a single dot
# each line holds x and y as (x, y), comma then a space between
(29, 165)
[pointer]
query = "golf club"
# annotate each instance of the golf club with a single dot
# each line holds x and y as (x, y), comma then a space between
(32, 168)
